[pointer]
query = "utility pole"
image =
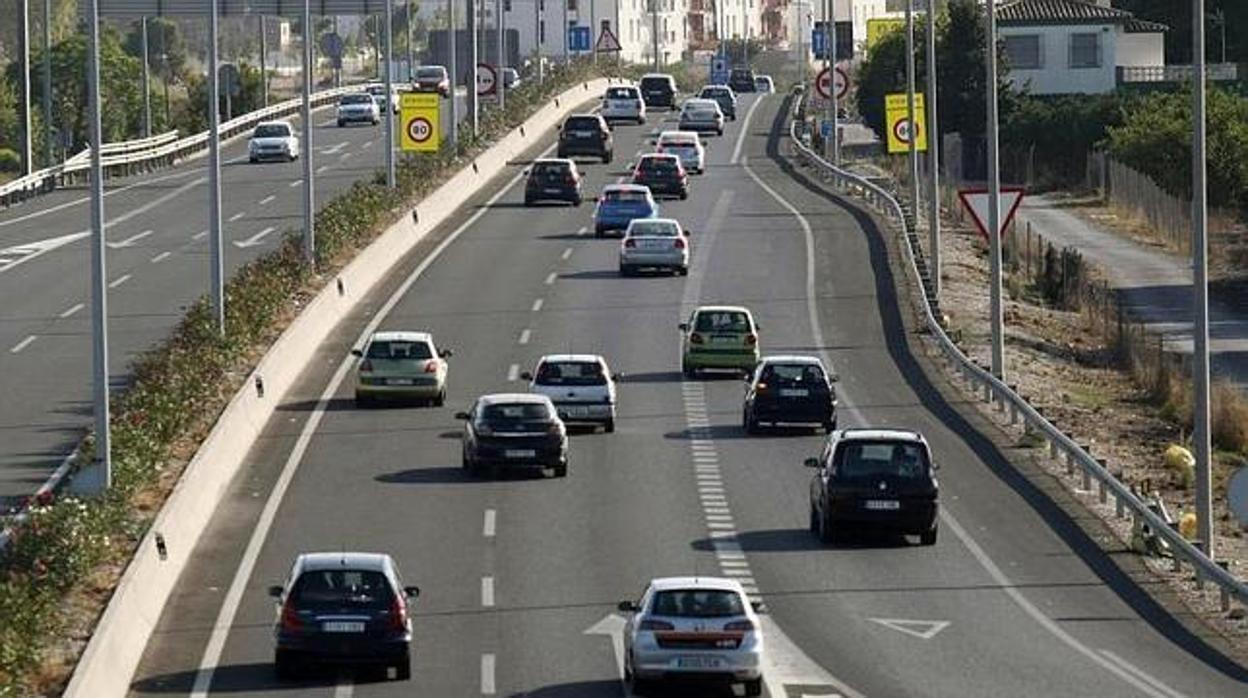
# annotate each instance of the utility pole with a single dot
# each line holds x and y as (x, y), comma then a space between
(912, 151)
(566, 55)
(801, 41)
(23, 40)
(1200, 282)
(453, 69)
(309, 190)
(337, 71)
(471, 78)
(654, 31)
(933, 155)
(593, 33)
(996, 318)
(390, 97)
(500, 80)
(539, 37)
(47, 83)
(411, 47)
(216, 269)
(831, 149)
(264, 78)
(99, 287)
(147, 81)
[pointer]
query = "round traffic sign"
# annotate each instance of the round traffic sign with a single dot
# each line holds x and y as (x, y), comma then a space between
(487, 79)
(824, 82)
(842, 82)
(419, 129)
(901, 130)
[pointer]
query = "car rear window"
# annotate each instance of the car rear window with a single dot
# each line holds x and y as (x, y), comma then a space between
(722, 321)
(342, 588)
(661, 165)
(621, 93)
(271, 131)
(429, 73)
(869, 459)
(357, 99)
(713, 92)
(582, 123)
(698, 603)
(677, 142)
(651, 228)
(515, 412)
(624, 197)
(570, 373)
(393, 349)
(656, 83)
(794, 374)
(551, 168)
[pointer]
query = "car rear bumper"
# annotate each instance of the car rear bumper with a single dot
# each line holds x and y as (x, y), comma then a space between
(913, 518)
(664, 187)
(700, 126)
(780, 412)
(332, 650)
(496, 452)
(576, 148)
(425, 390)
(721, 358)
(353, 117)
(743, 665)
(655, 259)
(611, 113)
(615, 222)
(550, 194)
(585, 411)
(269, 155)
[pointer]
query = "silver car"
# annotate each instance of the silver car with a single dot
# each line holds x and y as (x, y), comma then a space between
(693, 628)
(357, 107)
(581, 386)
(687, 145)
(654, 243)
(702, 115)
(401, 365)
(623, 103)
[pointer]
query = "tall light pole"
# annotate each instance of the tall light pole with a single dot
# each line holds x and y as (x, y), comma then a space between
(390, 96)
(147, 80)
(996, 318)
(912, 151)
(47, 83)
(539, 38)
(471, 79)
(216, 269)
(831, 150)
(99, 287)
(500, 27)
(451, 31)
(23, 40)
(654, 31)
(933, 155)
(309, 188)
(1200, 295)
(264, 78)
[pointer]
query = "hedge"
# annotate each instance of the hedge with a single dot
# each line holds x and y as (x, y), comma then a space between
(67, 547)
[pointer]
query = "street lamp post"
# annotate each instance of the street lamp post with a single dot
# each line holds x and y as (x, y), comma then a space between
(147, 80)
(264, 78)
(933, 155)
(99, 287)
(23, 40)
(390, 97)
(1200, 295)
(912, 151)
(216, 270)
(453, 68)
(309, 190)
(996, 318)
(47, 83)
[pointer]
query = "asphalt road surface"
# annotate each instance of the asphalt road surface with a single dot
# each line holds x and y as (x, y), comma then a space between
(521, 576)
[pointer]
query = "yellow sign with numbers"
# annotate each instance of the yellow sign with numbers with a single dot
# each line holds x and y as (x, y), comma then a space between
(896, 114)
(420, 129)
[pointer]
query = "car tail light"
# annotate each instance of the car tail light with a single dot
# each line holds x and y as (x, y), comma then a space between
(695, 338)
(761, 387)
(366, 366)
(571, 181)
(740, 626)
(398, 614)
(629, 242)
(649, 624)
(431, 366)
(678, 244)
(554, 428)
(751, 339)
(291, 622)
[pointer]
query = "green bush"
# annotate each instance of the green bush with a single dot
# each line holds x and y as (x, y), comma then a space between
(10, 161)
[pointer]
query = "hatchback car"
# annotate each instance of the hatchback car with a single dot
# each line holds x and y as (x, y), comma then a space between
(764, 84)
(741, 80)
(273, 140)
(433, 78)
(702, 115)
(343, 608)
(662, 173)
(693, 628)
(658, 90)
(620, 204)
(719, 337)
(654, 243)
(511, 78)
(623, 103)
(879, 479)
(724, 97)
(514, 430)
(687, 145)
(789, 390)
(551, 179)
(581, 386)
(378, 91)
(357, 107)
(586, 134)
(403, 365)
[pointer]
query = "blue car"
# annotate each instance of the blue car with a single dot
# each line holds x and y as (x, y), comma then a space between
(619, 204)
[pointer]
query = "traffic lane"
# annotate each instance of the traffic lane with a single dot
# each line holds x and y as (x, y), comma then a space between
(1010, 522)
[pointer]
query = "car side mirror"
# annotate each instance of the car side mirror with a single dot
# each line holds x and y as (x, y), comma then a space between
(684, 327)
(748, 378)
(526, 376)
(411, 592)
(461, 415)
(616, 376)
(446, 354)
(627, 607)
(935, 465)
(357, 352)
(276, 592)
(811, 462)
(758, 606)
(834, 378)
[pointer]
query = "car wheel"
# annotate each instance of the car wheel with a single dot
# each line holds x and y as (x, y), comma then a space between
(641, 120)
(362, 401)
(561, 153)
(754, 687)
(599, 231)
(606, 158)
(814, 521)
(252, 160)
(683, 271)
(928, 537)
(829, 425)
(561, 470)
(440, 400)
(608, 427)
(341, 123)
(528, 201)
(684, 195)
(285, 665)
(719, 132)
(626, 270)
(689, 371)
(403, 669)
(751, 424)
(578, 201)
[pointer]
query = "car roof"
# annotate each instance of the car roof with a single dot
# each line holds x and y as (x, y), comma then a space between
(717, 87)
(376, 562)
(595, 117)
(721, 583)
(691, 135)
(660, 156)
(792, 359)
(626, 187)
(667, 76)
(722, 309)
(701, 101)
(880, 434)
(655, 220)
(513, 398)
(553, 161)
(401, 336)
(573, 358)
(275, 122)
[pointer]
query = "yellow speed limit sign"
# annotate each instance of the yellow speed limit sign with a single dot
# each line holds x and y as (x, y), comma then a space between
(896, 114)
(421, 131)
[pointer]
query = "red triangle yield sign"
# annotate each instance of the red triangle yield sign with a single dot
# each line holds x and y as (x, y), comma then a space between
(607, 41)
(976, 201)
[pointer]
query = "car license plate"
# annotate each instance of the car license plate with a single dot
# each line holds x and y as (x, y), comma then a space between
(794, 392)
(553, 190)
(576, 411)
(883, 504)
(519, 453)
(399, 381)
(338, 626)
(724, 340)
(582, 134)
(654, 244)
(699, 662)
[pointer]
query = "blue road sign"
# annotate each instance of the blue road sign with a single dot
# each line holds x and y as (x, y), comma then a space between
(819, 42)
(719, 71)
(825, 128)
(578, 38)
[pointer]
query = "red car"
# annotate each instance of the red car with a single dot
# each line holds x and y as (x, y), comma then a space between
(663, 173)
(433, 78)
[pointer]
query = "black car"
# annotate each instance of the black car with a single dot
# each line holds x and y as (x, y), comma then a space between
(516, 429)
(586, 134)
(552, 180)
(742, 80)
(658, 90)
(874, 479)
(343, 608)
(789, 390)
(724, 97)
(662, 173)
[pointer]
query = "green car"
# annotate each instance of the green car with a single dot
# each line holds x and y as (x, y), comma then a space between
(401, 365)
(719, 337)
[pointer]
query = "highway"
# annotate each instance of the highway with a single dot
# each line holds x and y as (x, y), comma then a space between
(521, 576)
(157, 265)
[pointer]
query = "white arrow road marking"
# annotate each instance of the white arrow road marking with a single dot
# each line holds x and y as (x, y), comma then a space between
(613, 626)
(922, 629)
(129, 242)
(20, 254)
(254, 239)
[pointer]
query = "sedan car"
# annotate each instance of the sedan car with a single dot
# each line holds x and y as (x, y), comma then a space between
(719, 337)
(553, 179)
(741, 79)
(662, 173)
(724, 97)
(514, 430)
(789, 390)
(620, 204)
(378, 91)
(874, 479)
(581, 386)
(401, 365)
(273, 140)
(687, 145)
(654, 243)
(702, 115)
(623, 103)
(357, 107)
(586, 134)
(433, 78)
(343, 608)
(693, 628)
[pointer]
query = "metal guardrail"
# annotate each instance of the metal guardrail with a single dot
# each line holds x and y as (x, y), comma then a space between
(143, 155)
(994, 391)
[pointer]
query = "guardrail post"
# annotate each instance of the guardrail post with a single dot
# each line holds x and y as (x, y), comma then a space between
(1070, 463)
(1102, 492)
(1086, 485)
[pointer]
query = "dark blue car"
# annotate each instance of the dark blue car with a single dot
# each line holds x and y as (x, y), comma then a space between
(621, 203)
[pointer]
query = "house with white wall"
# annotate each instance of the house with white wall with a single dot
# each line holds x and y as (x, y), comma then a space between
(540, 22)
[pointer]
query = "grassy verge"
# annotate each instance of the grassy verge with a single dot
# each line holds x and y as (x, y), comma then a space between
(65, 558)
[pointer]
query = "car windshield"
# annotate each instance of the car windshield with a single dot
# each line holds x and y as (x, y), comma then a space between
(870, 459)
(551, 169)
(762, 82)
(338, 588)
(650, 228)
(698, 603)
(660, 165)
(586, 123)
(714, 92)
(271, 131)
(377, 90)
(700, 110)
(356, 99)
(395, 349)
(621, 93)
(722, 321)
(429, 73)
(515, 412)
(617, 196)
(801, 375)
(570, 373)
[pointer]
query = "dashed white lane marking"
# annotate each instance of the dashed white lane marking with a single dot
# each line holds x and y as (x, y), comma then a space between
(583, 230)
(200, 235)
(368, 144)
(487, 527)
(550, 278)
(566, 254)
(23, 344)
(161, 257)
(237, 216)
(525, 334)
(129, 242)
(487, 592)
(537, 304)
(487, 674)
(266, 200)
(321, 169)
(73, 309)
(119, 281)
(295, 183)
(513, 372)
(345, 686)
(344, 157)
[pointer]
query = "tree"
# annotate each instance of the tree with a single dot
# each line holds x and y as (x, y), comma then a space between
(163, 38)
(1178, 16)
(249, 98)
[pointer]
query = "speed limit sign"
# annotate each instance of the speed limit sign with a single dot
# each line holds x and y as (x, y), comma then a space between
(419, 129)
(420, 114)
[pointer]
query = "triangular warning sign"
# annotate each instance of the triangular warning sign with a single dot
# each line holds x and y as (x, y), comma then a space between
(924, 629)
(976, 201)
(607, 41)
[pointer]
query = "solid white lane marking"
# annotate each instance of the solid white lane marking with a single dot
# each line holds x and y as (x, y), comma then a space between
(537, 305)
(524, 336)
(566, 253)
(237, 216)
(550, 278)
(1155, 683)
(922, 629)
(513, 372)
(487, 674)
(265, 201)
(129, 242)
(161, 257)
(487, 527)
(487, 592)
(23, 344)
(73, 309)
(119, 281)
(745, 129)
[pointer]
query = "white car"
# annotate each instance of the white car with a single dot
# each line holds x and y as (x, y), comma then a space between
(273, 140)
(685, 144)
(378, 91)
(694, 628)
(699, 114)
(401, 365)
(581, 386)
(357, 107)
(654, 243)
(623, 103)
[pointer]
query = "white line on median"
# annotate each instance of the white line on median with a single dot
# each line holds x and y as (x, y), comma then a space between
(161, 257)
(487, 527)
(119, 281)
(200, 235)
(487, 592)
(537, 304)
(525, 334)
(23, 344)
(550, 278)
(73, 310)
(487, 674)
(745, 128)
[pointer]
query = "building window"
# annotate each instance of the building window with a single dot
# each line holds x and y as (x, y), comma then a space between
(1023, 51)
(1085, 50)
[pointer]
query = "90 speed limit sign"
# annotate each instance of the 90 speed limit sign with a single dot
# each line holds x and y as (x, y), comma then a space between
(421, 132)
(419, 129)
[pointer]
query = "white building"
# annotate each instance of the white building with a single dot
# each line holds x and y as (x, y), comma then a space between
(629, 20)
